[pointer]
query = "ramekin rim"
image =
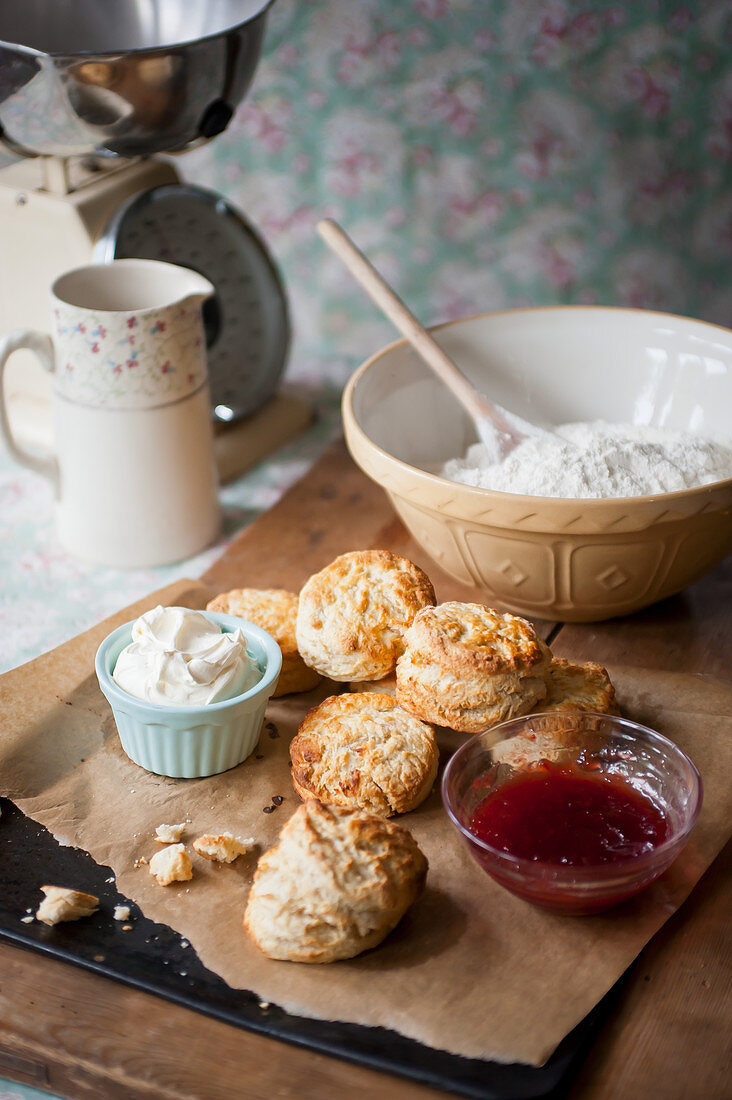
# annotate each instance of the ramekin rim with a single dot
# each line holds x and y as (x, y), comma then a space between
(272, 670)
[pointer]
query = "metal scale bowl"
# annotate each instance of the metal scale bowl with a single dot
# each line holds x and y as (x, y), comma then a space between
(90, 92)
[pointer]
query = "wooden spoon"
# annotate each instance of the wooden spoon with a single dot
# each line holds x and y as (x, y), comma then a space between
(499, 429)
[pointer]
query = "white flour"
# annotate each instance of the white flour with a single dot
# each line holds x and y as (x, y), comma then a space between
(597, 459)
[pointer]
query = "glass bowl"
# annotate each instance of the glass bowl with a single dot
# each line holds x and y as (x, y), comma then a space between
(649, 762)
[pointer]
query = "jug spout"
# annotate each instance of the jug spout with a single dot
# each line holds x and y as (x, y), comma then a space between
(198, 290)
(131, 285)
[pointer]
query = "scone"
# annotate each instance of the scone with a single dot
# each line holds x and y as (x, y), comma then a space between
(363, 751)
(467, 666)
(353, 613)
(336, 883)
(579, 687)
(275, 610)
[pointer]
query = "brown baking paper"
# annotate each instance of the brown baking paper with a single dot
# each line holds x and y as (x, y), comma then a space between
(470, 969)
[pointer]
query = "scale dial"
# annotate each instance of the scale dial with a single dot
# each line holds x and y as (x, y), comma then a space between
(246, 321)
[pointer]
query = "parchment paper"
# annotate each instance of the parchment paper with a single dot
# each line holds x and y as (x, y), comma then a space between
(470, 969)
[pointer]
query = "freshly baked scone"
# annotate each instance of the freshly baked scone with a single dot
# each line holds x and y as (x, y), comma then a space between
(363, 751)
(579, 687)
(275, 610)
(467, 666)
(61, 904)
(222, 847)
(171, 864)
(336, 883)
(353, 613)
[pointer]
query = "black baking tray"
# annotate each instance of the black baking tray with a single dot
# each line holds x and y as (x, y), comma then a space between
(156, 959)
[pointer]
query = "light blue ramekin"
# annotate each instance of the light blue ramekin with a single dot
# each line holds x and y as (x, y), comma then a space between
(190, 742)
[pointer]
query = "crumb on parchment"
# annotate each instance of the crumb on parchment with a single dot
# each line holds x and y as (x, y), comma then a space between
(222, 847)
(170, 834)
(171, 864)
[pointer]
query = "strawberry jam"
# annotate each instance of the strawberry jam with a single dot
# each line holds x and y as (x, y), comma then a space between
(562, 814)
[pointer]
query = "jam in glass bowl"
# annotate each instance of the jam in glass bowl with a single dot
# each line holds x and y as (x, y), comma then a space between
(574, 812)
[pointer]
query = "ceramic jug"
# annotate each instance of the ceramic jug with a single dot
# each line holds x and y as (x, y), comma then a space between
(133, 467)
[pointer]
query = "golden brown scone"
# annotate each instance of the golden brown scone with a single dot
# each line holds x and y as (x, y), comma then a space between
(275, 610)
(61, 904)
(363, 751)
(336, 883)
(579, 687)
(171, 864)
(467, 666)
(353, 613)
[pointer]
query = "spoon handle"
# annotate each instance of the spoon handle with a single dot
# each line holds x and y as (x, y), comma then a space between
(475, 404)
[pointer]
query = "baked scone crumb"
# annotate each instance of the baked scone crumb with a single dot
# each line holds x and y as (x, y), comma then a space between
(61, 904)
(170, 834)
(121, 912)
(171, 864)
(223, 847)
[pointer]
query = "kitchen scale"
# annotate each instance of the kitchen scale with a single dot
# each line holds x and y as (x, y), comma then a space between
(90, 95)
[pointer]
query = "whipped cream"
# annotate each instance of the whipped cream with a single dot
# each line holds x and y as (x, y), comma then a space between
(179, 658)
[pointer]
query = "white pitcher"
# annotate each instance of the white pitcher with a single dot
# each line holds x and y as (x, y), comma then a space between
(133, 466)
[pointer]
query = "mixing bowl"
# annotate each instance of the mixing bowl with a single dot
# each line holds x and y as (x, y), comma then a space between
(593, 744)
(576, 560)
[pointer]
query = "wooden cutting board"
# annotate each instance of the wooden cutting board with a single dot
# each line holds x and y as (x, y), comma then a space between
(76, 1033)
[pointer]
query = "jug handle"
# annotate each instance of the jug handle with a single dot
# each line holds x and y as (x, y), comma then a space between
(42, 346)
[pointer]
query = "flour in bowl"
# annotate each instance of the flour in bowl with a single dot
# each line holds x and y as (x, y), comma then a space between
(596, 460)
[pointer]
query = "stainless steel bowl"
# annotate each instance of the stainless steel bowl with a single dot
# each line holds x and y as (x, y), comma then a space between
(153, 76)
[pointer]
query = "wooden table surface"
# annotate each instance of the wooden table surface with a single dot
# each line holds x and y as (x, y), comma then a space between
(69, 1031)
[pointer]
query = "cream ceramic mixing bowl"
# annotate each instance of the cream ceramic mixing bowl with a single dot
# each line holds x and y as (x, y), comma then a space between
(576, 560)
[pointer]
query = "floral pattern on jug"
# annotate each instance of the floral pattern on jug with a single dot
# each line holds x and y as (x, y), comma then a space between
(129, 360)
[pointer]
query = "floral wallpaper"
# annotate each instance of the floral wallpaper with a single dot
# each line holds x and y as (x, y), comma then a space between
(487, 154)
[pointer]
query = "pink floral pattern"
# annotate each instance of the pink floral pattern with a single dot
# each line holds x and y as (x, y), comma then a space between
(129, 362)
(581, 153)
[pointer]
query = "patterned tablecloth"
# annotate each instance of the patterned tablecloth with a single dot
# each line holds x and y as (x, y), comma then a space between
(48, 596)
